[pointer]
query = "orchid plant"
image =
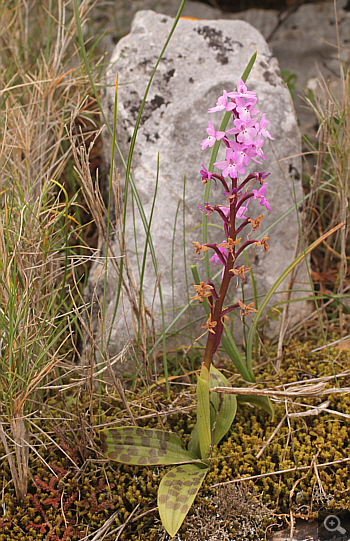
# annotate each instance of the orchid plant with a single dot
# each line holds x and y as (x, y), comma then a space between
(247, 143)
(215, 411)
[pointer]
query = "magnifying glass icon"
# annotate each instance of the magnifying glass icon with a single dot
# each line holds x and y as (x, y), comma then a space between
(332, 524)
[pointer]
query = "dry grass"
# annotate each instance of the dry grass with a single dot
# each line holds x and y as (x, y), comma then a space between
(41, 82)
(330, 203)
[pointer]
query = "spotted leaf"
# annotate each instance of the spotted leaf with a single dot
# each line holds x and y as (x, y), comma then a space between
(223, 406)
(143, 446)
(176, 493)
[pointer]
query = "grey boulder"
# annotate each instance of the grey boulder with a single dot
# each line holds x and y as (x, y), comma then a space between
(203, 58)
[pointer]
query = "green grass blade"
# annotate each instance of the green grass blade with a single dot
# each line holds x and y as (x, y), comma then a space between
(173, 262)
(126, 165)
(273, 289)
(148, 234)
(185, 258)
(138, 201)
(255, 291)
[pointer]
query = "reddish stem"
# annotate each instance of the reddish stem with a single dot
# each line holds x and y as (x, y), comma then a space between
(216, 315)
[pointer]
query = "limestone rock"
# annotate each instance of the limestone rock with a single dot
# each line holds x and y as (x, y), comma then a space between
(202, 59)
(123, 13)
(304, 40)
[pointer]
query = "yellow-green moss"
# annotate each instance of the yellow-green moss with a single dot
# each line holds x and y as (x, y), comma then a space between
(88, 497)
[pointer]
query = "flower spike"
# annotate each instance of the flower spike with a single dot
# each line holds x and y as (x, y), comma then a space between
(244, 142)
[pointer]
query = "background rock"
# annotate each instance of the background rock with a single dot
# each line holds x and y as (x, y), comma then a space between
(302, 37)
(203, 58)
(304, 41)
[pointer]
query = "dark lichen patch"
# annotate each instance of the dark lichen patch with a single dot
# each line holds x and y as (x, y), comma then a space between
(270, 77)
(133, 105)
(263, 64)
(151, 138)
(168, 75)
(146, 64)
(216, 41)
(156, 103)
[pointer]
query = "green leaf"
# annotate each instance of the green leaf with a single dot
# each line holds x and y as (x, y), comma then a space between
(144, 446)
(193, 444)
(262, 401)
(176, 493)
(203, 412)
(223, 405)
(236, 357)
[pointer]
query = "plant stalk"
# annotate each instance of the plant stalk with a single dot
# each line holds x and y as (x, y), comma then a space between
(217, 314)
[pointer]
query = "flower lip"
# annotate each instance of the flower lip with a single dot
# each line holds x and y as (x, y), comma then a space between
(242, 92)
(260, 195)
(223, 104)
(230, 166)
(213, 136)
(216, 259)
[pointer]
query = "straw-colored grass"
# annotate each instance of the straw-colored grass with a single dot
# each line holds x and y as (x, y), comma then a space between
(41, 82)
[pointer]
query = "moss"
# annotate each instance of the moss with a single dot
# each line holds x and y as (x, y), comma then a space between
(70, 502)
